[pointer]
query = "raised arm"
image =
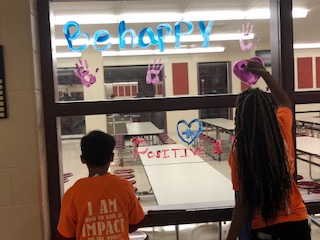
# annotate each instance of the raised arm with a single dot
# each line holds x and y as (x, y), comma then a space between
(279, 95)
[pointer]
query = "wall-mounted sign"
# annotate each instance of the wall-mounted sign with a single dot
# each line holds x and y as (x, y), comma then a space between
(143, 39)
(3, 104)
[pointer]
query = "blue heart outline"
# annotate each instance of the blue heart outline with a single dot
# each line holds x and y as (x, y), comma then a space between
(189, 125)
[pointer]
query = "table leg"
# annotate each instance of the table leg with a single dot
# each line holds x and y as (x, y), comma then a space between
(310, 170)
(217, 133)
(177, 232)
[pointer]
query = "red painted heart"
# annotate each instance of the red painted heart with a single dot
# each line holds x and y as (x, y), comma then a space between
(244, 75)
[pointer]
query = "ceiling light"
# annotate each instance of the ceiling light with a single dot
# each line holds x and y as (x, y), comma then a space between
(85, 19)
(172, 16)
(68, 55)
(299, 12)
(150, 17)
(145, 52)
(306, 45)
(213, 15)
(169, 39)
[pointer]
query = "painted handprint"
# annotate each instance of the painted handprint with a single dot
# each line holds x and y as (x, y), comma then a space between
(83, 73)
(246, 32)
(153, 72)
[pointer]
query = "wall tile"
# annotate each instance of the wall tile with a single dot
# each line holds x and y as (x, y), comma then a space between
(42, 147)
(26, 185)
(18, 148)
(39, 109)
(44, 181)
(6, 195)
(18, 70)
(45, 223)
(37, 71)
(20, 222)
(0, 25)
(24, 6)
(21, 106)
(16, 31)
(4, 123)
(35, 34)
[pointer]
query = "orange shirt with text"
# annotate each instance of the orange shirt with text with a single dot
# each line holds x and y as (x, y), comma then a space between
(297, 210)
(99, 207)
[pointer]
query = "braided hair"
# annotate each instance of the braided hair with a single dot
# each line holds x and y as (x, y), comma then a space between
(263, 168)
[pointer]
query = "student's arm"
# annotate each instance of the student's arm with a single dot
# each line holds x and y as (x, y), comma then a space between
(239, 217)
(133, 228)
(60, 237)
(279, 95)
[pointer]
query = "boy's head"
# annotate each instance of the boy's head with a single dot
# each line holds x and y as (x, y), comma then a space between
(97, 148)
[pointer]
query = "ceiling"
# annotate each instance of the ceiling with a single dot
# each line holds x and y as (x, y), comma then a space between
(305, 29)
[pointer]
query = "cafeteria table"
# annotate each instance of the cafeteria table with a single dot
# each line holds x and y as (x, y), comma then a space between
(221, 124)
(311, 123)
(136, 129)
(184, 183)
(311, 147)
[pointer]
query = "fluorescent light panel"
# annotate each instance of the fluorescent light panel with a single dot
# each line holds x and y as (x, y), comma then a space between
(169, 39)
(144, 52)
(172, 16)
(306, 45)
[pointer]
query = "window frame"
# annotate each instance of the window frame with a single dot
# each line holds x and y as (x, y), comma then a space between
(282, 67)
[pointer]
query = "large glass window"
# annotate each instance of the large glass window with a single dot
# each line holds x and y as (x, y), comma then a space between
(306, 46)
(178, 51)
(157, 144)
(126, 67)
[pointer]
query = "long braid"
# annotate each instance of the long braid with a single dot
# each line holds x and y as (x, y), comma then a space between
(263, 168)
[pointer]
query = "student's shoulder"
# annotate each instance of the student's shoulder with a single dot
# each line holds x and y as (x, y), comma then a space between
(118, 180)
(78, 184)
(284, 109)
(284, 112)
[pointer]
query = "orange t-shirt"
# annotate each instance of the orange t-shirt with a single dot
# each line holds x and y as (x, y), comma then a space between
(99, 207)
(298, 211)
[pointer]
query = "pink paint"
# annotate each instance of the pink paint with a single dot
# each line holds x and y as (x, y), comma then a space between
(83, 73)
(246, 32)
(174, 152)
(153, 72)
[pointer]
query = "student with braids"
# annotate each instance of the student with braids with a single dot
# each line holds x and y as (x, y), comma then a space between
(262, 166)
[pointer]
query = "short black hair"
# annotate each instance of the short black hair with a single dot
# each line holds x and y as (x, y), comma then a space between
(97, 148)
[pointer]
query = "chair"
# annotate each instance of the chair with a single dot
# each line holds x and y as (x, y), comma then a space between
(308, 185)
(315, 191)
(124, 170)
(299, 177)
(126, 175)
(138, 235)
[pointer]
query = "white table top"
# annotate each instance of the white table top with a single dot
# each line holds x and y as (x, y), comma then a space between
(188, 183)
(312, 120)
(220, 122)
(309, 145)
(170, 154)
(142, 128)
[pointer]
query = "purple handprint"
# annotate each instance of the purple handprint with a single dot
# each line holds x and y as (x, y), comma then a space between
(83, 73)
(153, 72)
(246, 32)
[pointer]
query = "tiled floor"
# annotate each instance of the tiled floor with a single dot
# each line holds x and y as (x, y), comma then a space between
(204, 231)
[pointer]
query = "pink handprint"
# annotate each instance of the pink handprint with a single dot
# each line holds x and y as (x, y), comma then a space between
(246, 32)
(83, 73)
(153, 72)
